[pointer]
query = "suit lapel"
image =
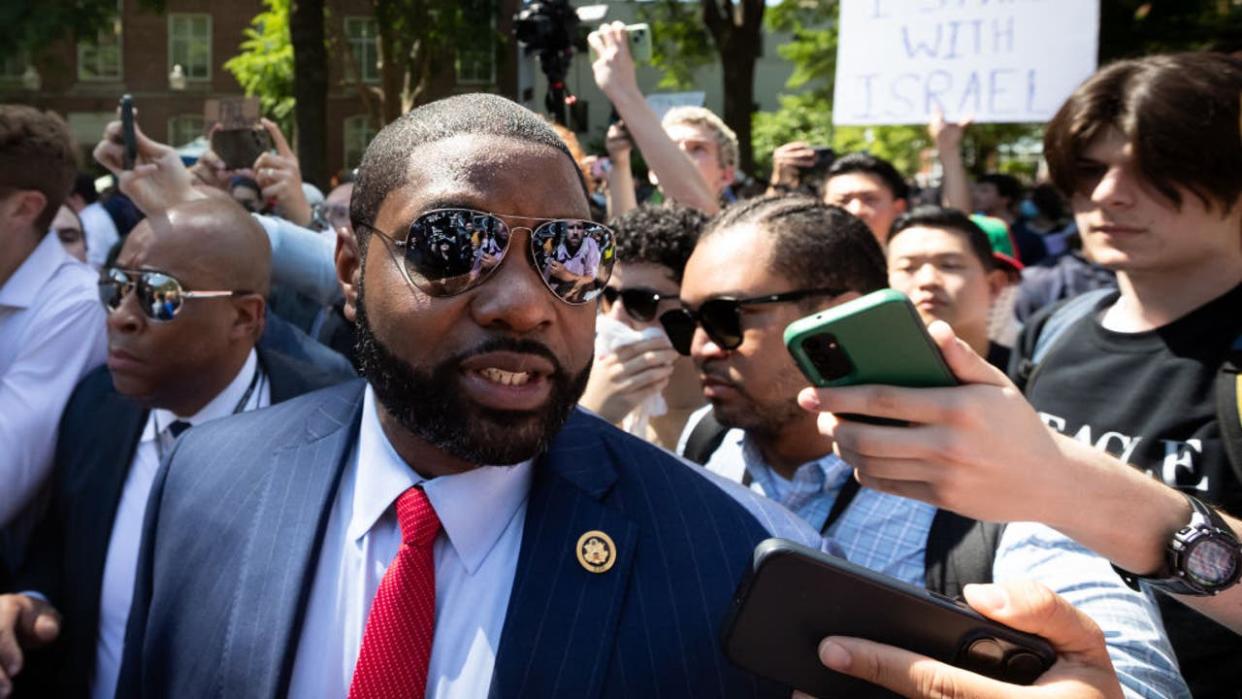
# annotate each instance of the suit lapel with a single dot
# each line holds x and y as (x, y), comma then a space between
(561, 621)
(95, 487)
(283, 547)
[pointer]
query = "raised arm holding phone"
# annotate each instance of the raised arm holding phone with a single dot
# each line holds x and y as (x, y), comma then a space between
(615, 75)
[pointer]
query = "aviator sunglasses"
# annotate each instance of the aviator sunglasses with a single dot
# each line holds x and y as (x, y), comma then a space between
(639, 303)
(450, 251)
(160, 295)
(721, 318)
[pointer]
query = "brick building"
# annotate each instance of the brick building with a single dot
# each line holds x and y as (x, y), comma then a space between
(82, 78)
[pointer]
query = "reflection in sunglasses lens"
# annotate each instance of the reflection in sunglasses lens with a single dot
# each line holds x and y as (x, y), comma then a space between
(449, 251)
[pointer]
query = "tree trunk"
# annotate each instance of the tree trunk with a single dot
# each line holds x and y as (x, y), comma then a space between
(310, 89)
(738, 67)
(736, 27)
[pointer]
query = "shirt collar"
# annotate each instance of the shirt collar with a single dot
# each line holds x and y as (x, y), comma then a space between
(222, 405)
(831, 470)
(474, 507)
(21, 289)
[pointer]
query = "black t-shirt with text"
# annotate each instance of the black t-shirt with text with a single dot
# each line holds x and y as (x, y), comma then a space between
(1149, 399)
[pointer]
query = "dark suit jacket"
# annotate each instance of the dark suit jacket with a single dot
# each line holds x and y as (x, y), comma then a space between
(237, 518)
(99, 434)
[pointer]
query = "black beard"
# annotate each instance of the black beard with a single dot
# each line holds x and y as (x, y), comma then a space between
(431, 406)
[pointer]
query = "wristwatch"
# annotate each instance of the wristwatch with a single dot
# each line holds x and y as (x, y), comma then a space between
(1202, 558)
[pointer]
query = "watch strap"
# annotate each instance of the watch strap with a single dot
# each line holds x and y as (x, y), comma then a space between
(1171, 577)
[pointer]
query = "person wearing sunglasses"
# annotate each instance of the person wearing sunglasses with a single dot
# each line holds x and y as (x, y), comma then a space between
(185, 308)
(456, 500)
(634, 361)
(761, 265)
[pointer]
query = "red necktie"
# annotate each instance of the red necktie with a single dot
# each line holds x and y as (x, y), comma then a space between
(396, 645)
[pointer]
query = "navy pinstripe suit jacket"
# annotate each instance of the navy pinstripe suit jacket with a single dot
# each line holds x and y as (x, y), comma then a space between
(236, 520)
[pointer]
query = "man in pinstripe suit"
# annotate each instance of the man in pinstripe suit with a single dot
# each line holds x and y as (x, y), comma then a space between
(591, 564)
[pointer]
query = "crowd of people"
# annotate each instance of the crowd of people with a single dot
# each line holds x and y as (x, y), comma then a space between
(259, 441)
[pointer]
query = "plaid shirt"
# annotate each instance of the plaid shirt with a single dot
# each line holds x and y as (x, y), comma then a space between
(888, 534)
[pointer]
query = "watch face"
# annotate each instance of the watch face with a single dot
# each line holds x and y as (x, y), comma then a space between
(1212, 562)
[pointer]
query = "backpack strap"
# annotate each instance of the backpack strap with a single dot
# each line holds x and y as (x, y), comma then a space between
(704, 439)
(1050, 328)
(960, 551)
(1229, 406)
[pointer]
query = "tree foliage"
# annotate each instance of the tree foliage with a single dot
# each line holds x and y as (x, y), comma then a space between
(29, 26)
(264, 66)
(419, 41)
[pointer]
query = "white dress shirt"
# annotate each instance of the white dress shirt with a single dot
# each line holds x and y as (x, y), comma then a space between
(476, 553)
(116, 594)
(51, 334)
(100, 232)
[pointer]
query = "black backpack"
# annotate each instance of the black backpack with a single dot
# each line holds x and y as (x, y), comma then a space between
(960, 550)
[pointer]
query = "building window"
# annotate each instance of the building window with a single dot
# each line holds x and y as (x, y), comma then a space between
(362, 34)
(184, 128)
(359, 130)
(99, 58)
(189, 45)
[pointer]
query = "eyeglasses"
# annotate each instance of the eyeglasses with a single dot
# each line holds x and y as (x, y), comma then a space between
(639, 303)
(721, 318)
(450, 251)
(159, 294)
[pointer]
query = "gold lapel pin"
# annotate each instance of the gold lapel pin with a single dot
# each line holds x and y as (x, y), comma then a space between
(596, 551)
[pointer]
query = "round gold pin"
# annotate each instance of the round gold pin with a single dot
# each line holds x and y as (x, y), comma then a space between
(596, 551)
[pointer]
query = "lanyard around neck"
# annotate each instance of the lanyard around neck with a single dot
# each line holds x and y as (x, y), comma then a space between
(258, 380)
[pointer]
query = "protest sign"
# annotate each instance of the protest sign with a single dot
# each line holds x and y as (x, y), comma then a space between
(995, 60)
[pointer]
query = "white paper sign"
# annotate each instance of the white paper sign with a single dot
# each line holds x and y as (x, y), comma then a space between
(996, 60)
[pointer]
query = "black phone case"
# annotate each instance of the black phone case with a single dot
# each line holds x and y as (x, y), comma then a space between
(239, 148)
(794, 597)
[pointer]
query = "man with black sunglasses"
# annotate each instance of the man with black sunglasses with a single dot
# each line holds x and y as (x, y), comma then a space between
(452, 526)
(767, 262)
(185, 308)
(634, 361)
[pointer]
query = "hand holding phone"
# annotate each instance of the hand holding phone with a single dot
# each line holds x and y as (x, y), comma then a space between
(794, 597)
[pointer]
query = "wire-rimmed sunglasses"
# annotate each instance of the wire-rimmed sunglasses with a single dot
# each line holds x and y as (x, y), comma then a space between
(160, 295)
(721, 317)
(450, 251)
(640, 303)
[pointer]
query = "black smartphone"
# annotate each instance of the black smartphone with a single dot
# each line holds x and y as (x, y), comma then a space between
(239, 148)
(128, 137)
(824, 158)
(794, 597)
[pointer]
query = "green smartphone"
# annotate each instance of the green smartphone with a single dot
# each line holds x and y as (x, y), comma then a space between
(876, 339)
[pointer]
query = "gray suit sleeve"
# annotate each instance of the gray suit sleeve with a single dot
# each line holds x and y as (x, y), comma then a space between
(302, 259)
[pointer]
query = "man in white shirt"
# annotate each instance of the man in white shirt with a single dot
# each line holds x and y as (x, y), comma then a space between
(184, 313)
(51, 326)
